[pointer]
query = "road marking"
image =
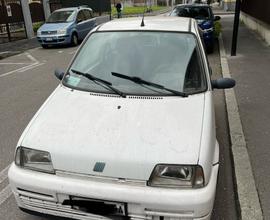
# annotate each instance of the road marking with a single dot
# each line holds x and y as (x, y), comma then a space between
(5, 194)
(14, 63)
(9, 52)
(31, 67)
(4, 174)
(31, 57)
(17, 70)
(72, 52)
(247, 194)
(25, 68)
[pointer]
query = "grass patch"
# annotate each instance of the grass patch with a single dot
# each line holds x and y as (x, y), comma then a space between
(136, 10)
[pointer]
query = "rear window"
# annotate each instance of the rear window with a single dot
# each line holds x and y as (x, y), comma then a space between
(192, 12)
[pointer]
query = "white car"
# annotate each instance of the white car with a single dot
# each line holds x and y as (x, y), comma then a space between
(130, 130)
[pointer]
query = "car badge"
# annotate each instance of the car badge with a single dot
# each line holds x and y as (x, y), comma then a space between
(99, 167)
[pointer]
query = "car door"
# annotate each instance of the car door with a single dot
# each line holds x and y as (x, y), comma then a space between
(81, 25)
(90, 20)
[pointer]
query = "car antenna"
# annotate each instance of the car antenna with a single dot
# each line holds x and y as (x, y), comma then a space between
(142, 23)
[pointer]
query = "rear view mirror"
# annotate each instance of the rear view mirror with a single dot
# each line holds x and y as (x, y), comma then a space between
(59, 74)
(223, 83)
(217, 18)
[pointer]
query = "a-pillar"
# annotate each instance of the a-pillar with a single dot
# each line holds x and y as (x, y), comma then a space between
(27, 19)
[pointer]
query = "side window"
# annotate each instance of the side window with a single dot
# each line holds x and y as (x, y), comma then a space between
(87, 14)
(80, 16)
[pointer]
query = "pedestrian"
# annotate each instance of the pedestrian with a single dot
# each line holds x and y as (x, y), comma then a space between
(119, 8)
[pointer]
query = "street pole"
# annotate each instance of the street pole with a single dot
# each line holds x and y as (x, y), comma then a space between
(235, 27)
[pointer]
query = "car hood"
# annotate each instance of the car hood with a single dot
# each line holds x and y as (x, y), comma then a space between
(130, 135)
(205, 24)
(54, 26)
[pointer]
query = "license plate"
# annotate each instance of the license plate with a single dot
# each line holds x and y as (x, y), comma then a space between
(98, 207)
(49, 39)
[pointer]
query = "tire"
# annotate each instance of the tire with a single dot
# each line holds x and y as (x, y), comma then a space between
(45, 46)
(210, 49)
(74, 39)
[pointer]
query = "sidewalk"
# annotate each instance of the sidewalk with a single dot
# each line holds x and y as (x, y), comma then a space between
(16, 47)
(250, 68)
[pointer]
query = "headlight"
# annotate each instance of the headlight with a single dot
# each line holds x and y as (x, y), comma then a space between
(177, 176)
(208, 30)
(38, 32)
(62, 31)
(34, 160)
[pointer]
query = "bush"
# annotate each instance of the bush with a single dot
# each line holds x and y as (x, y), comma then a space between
(36, 26)
(218, 28)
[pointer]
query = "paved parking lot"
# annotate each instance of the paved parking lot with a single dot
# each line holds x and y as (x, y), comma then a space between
(26, 80)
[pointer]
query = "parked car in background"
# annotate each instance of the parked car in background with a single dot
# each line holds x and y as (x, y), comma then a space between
(66, 26)
(205, 18)
(129, 132)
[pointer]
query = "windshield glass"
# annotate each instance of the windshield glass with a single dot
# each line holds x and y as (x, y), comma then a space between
(192, 12)
(168, 59)
(61, 16)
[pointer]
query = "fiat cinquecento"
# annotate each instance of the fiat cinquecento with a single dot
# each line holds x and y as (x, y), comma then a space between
(130, 130)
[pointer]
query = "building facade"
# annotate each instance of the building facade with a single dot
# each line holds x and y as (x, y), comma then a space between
(256, 15)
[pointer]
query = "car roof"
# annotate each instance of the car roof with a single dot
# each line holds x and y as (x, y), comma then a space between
(73, 8)
(155, 23)
(193, 5)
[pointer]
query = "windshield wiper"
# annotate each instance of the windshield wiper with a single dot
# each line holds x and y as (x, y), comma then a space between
(102, 81)
(138, 80)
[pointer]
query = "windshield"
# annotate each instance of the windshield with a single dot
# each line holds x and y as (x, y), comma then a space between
(61, 16)
(192, 12)
(167, 59)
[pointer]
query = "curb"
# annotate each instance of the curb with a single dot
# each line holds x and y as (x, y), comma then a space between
(249, 205)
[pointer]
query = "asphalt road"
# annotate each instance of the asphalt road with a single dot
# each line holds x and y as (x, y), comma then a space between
(26, 80)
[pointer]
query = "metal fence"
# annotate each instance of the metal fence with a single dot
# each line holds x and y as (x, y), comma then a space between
(11, 21)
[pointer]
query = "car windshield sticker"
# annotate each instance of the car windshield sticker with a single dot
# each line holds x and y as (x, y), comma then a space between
(73, 80)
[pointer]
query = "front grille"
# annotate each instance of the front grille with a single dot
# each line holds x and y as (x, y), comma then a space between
(48, 32)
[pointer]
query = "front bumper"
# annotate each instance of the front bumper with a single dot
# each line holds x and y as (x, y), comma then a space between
(45, 193)
(54, 39)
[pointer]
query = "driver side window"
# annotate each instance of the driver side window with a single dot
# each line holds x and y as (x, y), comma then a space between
(80, 17)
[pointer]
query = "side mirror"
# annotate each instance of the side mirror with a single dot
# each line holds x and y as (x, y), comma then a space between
(223, 83)
(59, 74)
(217, 18)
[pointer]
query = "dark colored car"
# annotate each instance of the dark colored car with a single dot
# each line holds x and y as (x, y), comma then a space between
(205, 18)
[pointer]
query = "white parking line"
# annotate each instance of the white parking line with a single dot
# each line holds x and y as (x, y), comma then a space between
(31, 57)
(31, 67)
(25, 68)
(17, 70)
(14, 63)
(72, 52)
(4, 174)
(5, 194)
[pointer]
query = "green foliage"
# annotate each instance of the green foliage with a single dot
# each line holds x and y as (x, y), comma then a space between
(36, 26)
(136, 10)
(218, 28)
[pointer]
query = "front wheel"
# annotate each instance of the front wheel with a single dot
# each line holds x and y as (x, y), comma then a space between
(45, 46)
(74, 39)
